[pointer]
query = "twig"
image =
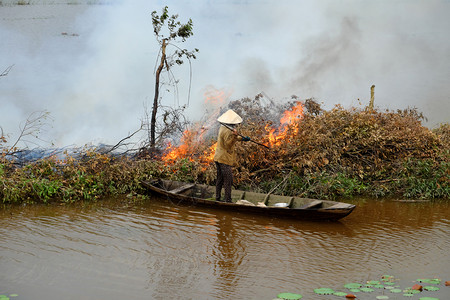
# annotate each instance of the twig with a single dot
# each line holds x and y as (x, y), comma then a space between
(122, 140)
(6, 71)
(284, 179)
(243, 136)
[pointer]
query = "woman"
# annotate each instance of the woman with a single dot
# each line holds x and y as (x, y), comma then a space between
(225, 157)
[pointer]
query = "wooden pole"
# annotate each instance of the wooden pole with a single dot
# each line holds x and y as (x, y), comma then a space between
(372, 97)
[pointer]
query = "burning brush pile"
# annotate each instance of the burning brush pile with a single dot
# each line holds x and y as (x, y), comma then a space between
(318, 153)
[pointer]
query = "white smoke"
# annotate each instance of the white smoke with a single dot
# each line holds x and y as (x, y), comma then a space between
(92, 66)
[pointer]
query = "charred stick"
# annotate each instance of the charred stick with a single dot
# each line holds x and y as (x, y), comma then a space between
(227, 126)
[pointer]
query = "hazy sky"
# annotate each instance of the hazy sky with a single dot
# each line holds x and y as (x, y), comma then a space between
(92, 66)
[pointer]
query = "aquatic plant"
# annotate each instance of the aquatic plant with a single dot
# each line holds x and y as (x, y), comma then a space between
(289, 296)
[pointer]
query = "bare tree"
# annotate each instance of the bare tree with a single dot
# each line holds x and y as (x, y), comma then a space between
(29, 132)
(173, 31)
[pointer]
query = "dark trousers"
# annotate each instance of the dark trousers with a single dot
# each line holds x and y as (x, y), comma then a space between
(225, 180)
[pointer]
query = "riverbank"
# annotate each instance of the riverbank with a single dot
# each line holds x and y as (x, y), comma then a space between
(339, 153)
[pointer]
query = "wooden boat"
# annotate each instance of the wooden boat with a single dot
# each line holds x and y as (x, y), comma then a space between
(251, 202)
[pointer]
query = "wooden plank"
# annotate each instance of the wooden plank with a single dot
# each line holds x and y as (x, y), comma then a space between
(182, 188)
(312, 204)
(340, 205)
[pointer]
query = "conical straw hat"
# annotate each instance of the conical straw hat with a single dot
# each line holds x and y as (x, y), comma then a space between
(230, 117)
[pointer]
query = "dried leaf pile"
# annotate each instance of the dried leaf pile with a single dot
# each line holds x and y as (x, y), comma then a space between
(340, 152)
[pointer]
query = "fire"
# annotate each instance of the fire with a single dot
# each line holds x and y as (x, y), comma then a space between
(188, 140)
(194, 147)
(192, 144)
(289, 120)
(190, 148)
(208, 155)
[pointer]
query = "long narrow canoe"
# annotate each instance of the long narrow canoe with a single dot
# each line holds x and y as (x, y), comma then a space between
(251, 202)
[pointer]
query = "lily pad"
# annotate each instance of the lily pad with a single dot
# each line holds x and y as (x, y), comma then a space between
(396, 290)
(340, 294)
(387, 277)
(389, 283)
(373, 282)
(352, 285)
(355, 290)
(432, 281)
(367, 290)
(378, 286)
(324, 291)
(431, 288)
(289, 296)
(408, 295)
(382, 297)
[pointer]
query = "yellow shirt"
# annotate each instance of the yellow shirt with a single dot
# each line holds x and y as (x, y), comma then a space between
(225, 147)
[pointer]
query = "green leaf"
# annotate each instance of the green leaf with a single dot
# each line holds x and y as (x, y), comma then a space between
(324, 291)
(382, 297)
(352, 285)
(396, 290)
(289, 296)
(431, 288)
(340, 294)
(367, 290)
(432, 281)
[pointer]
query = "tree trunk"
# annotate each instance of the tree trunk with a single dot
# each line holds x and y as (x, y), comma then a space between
(155, 100)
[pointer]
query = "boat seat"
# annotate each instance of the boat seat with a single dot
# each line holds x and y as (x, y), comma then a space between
(312, 204)
(340, 205)
(182, 188)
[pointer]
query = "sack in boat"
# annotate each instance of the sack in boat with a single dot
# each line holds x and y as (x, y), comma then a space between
(245, 202)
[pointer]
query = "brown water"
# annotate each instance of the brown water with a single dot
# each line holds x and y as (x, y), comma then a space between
(157, 250)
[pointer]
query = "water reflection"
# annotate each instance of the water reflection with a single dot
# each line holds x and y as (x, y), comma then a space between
(227, 253)
(113, 250)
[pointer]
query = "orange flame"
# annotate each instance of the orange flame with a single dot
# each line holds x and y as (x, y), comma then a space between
(192, 142)
(289, 120)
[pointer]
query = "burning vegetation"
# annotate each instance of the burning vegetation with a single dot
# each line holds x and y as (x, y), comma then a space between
(317, 153)
(311, 152)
